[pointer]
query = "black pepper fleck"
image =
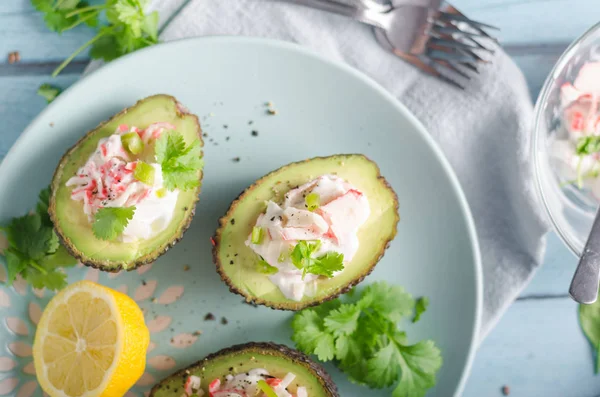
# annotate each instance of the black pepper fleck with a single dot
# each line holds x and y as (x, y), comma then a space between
(236, 159)
(233, 221)
(231, 262)
(254, 133)
(225, 126)
(505, 390)
(209, 317)
(224, 321)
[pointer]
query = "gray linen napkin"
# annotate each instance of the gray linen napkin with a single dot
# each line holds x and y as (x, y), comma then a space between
(484, 131)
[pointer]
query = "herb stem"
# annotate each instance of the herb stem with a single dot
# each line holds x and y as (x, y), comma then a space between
(86, 9)
(597, 366)
(79, 22)
(78, 51)
(33, 264)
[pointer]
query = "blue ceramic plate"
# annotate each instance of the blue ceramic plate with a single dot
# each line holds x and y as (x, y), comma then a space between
(323, 108)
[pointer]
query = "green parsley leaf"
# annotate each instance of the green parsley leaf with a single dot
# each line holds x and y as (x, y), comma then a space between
(587, 145)
(109, 222)
(48, 92)
(43, 5)
(388, 301)
(34, 251)
(325, 265)
(180, 164)
(384, 367)
(367, 342)
(419, 365)
(106, 47)
(310, 335)
(66, 4)
(420, 308)
(343, 321)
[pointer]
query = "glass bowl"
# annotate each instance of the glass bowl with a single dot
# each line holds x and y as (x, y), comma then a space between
(571, 210)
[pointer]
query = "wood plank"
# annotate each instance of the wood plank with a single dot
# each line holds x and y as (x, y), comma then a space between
(534, 21)
(537, 349)
(19, 104)
(22, 29)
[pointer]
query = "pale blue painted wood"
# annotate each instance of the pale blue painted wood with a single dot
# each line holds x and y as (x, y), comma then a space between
(534, 21)
(537, 349)
(19, 104)
(521, 22)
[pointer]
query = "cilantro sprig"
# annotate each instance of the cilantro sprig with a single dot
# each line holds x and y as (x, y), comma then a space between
(326, 265)
(179, 162)
(49, 92)
(361, 336)
(125, 27)
(110, 222)
(33, 249)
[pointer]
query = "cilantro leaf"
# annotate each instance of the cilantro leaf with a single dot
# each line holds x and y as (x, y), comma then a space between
(420, 308)
(387, 300)
(48, 92)
(384, 366)
(106, 47)
(419, 364)
(367, 342)
(179, 163)
(34, 251)
(310, 335)
(343, 321)
(264, 267)
(587, 145)
(110, 222)
(43, 5)
(325, 265)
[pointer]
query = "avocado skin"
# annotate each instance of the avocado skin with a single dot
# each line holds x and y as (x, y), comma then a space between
(253, 300)
(146, 259)
(262, 348)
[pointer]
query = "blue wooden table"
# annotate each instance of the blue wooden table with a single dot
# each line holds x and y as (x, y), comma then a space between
(537, 349)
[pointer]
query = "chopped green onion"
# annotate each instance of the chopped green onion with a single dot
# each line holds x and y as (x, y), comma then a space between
(132, 142)
(257, 235)
(144, 173)
(313, 201)
(162, 192)
(264, 386)
(265, 268)
(281, 257)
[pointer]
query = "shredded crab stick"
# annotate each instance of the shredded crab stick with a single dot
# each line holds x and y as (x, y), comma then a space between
(327, 209)
(580, 102)
(113, 177)
(254, 383)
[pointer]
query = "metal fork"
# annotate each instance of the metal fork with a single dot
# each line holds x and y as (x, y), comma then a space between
(427, 37)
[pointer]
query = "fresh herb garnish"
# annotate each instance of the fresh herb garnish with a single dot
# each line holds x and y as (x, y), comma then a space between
(132, 142)
(589, 317)
(420, 307)
(179, 162)
(363, 339)
(265, 268)
(312, 201)
(325, 265)
(110, 222)
(144, 173)
(127, 27)
(33, 249)
(258, 234)
(48, 92)
(587, 145)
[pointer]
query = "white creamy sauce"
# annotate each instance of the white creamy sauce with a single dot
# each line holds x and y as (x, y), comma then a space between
(343, 209)
(106, 180)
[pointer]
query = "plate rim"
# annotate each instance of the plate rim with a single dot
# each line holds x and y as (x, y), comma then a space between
(343, 67)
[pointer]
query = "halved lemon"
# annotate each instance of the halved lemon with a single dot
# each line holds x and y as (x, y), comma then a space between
(91, 341)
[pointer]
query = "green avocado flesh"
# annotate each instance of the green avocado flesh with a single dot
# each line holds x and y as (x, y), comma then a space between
(71, 223)
(238, 264)
(278, 360)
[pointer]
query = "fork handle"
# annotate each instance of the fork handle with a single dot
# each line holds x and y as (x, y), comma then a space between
(366, 16)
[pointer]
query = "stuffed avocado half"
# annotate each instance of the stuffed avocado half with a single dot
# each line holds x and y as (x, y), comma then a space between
(306, 232)
(127, 191)
(246, 371)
